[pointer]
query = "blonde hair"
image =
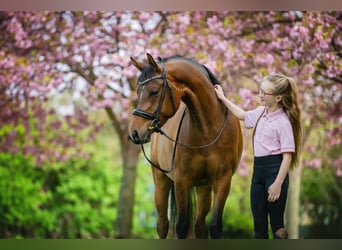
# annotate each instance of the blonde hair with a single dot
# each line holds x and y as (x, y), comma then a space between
(286, 87)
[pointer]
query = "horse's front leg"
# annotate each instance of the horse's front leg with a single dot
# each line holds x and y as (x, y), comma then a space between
(182, 189)
(161, 198)
(221, 190)
(203, 194)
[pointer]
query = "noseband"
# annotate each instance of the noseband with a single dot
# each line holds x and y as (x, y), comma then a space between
(155, 117)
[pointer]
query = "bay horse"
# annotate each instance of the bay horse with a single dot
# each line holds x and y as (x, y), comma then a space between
(195, 142)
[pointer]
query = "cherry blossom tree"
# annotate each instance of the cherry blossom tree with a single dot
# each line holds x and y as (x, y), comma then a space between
(84, 55)
(26, 81)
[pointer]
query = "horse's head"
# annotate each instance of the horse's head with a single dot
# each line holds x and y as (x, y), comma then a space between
(156, 100)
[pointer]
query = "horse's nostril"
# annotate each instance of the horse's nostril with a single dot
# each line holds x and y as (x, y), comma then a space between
(134, 136)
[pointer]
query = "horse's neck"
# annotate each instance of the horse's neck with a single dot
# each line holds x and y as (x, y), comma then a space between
(203, 106)
(197, 93)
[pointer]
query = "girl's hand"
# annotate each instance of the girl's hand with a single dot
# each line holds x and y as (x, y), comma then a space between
(274, 192)
(219, 92)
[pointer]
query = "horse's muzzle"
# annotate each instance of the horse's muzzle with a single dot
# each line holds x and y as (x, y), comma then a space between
(135, 138)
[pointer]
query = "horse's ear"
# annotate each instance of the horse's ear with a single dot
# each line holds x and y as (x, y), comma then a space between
(138, 65)
(153, 63)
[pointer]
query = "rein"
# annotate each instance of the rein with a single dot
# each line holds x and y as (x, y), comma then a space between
(155, 122)
(159, 130)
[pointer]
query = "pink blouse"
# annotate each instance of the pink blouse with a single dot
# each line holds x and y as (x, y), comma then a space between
(273, 134)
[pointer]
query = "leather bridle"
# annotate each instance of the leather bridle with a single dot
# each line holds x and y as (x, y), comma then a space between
(155, 117)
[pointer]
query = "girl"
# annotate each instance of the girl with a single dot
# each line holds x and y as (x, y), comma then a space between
(277, 143)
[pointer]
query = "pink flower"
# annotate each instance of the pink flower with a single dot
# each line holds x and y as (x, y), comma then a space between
(314, 163)
(308, 81)
(310, 149)
(144, 17)
(104, 103)
(124, 115)
(269, 60)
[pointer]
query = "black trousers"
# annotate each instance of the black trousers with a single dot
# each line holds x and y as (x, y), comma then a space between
(265, 172)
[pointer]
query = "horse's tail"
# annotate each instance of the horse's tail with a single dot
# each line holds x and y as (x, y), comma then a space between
(173, 209)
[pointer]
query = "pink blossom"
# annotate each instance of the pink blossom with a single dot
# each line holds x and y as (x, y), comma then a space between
(24, 43)
(97, 47)
(247, 45)
(308, 81)
(213, 23)
(337, 164)
(269, 59)
(125, 115)
(314, 163)
(144, 17)
(310, 149)
(104, 103)
(243, 171)
(128, 72)
(125, 103)
(297, 54)
(339, 172)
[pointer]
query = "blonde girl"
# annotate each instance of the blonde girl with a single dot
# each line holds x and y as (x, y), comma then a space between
(277, 144)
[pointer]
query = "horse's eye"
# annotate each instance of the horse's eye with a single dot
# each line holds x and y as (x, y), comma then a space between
(154, 92)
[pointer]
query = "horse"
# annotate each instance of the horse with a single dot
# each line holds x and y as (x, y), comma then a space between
(195, 143)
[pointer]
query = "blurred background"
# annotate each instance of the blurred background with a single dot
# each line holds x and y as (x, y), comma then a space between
(67, 90)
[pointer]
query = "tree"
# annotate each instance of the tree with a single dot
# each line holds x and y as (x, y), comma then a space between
(56, 50)
(25, 117)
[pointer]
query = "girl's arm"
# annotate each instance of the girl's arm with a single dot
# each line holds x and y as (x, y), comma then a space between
(275, 189)
(236, 110)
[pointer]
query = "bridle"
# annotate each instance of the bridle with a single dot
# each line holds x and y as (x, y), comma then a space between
(155, 117)
(155, 121)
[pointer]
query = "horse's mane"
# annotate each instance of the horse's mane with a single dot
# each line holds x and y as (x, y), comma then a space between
(201, 67)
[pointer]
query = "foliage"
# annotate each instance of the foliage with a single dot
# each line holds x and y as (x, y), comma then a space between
(84, 202)
(72, 199)
(86, 191)
(145, 215)
(23, 200)
(320, 190)
(237, 217)
(78, 198)
(322, 183)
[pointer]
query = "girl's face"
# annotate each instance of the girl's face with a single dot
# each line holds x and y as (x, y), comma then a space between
(266, 95)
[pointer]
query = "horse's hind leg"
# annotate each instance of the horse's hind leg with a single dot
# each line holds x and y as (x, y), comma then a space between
(203, 195)
(161, 198)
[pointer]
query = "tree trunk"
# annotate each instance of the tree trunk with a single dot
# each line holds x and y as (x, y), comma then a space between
(293, 200)
(130, 155)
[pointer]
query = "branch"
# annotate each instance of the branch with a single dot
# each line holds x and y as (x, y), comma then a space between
(113, 120)
(248, 31)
